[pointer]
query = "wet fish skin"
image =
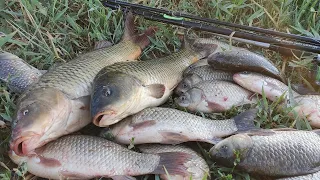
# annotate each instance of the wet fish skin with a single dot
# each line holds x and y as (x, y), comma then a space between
(123, 89)
(254, 82)
(269, 152)
(18, 74)
(59, 103)
(215, 96)
(244, 60)
(202, 73)
(221, 47)
(197, 166)
(87, 157)
(171, 126)
(314, 176)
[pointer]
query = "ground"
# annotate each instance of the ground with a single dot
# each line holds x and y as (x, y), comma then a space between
(46, 33)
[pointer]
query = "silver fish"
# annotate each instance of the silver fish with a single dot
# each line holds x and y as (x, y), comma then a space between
(171, 126)
(87, 157)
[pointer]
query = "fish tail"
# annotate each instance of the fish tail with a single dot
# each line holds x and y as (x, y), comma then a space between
(173, 163)
(129, 32)
(245, 120)
(202, 50)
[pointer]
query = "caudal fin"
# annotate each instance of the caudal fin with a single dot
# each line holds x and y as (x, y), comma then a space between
(173, 163)
(130, 35)
(245, 120)
(203, 49)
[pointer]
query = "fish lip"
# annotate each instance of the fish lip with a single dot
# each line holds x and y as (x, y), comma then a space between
(20, 147)
(100, 118)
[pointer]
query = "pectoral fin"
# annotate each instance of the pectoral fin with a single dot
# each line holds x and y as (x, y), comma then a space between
(173, 137)
(156, 90)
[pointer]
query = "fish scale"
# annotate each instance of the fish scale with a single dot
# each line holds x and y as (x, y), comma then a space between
(224, 88)
(208, 73)
(299, 151)
(152, 72)
(74, 78)
(171, 126)
(17, 73)
(195, 124)
(314, 176)
(100, 155)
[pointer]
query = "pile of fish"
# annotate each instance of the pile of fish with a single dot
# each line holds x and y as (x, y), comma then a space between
(112, 89)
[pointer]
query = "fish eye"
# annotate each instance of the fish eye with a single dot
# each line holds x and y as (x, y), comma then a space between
(25, 112)
(107, 91)
(184, 85)
(245, 72)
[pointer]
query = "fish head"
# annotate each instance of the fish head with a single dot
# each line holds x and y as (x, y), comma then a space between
(191, 98)
(187, 83)
(113, 96)
(225, 151)
(39, 118)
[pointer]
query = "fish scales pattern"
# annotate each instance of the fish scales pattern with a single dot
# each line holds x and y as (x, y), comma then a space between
(150, 72)
(281, 157)
(180, 120)
(208, 73)
(223, 88)
(101, 156)
(75, 77)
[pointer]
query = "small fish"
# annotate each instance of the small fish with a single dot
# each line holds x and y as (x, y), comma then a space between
(255, 82)
(59, 102)
(199, 74)
(314, 176)
(126, 88)
(244, 60)
(277, 152)
(18, 74)
(196, 167)
(215, 96)
(87, 157)
(171, 126)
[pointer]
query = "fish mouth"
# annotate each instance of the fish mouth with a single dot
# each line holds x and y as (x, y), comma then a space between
(104, 118)
(25, 145)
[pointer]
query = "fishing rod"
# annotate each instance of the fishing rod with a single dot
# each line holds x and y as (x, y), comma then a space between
(274, 44)
(180, 16)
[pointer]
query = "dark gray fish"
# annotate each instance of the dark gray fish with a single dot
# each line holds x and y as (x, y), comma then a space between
(244, 60)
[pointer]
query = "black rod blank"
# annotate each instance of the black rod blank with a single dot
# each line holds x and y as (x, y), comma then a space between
(215, 21)
(275, 44)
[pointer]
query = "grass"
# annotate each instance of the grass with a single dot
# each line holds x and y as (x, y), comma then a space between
(45, 34)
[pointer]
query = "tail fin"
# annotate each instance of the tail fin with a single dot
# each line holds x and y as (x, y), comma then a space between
(173, 163)
(245, 120)
(129, 32)
(203, 49)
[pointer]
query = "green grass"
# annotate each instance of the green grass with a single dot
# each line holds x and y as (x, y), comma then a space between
(45, 33)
